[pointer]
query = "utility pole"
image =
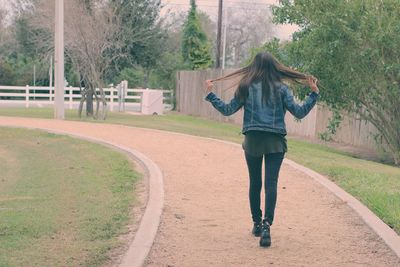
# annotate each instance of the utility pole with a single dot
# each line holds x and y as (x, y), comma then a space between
(34, 74)
(34, 81)
(51, 78)
(218, 55)
(59, 61)
(224, 38)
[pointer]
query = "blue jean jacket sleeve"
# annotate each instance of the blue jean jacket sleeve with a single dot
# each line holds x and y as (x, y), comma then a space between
(226, 109)
(299, 111)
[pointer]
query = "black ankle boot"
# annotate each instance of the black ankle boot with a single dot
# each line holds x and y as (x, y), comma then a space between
(265, 240)
(256, 229)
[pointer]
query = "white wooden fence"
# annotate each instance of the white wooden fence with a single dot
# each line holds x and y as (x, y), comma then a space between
(118, 98)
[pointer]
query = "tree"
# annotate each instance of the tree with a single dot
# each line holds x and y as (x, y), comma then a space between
(6, 71)
(169, 58)
(19, 56)
(352, 47)
(109, 35)
(92, 45)
(246, 29)
(2, 27)
(142, 34)
(210, 29)
(195, 45)
(105, 40)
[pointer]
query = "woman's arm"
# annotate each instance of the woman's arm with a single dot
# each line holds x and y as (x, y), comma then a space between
(226, 109)
(300, 111)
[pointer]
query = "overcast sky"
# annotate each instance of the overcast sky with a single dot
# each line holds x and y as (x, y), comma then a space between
(4, 3)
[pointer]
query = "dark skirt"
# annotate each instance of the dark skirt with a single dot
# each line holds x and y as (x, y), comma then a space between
(258, 143)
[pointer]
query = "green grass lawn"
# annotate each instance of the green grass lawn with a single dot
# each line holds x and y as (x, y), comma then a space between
(63, 201)
(376, 185)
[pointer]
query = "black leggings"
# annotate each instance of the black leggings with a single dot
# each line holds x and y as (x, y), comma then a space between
(273, 164)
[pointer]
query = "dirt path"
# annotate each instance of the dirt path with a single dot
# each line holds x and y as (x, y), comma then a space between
(206, 219)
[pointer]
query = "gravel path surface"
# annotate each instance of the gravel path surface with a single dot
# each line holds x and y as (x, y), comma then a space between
(206, 219)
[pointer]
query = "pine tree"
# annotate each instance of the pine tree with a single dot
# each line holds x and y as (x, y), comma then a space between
(195, 45)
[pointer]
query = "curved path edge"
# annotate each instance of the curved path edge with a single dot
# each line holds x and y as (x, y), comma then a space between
(146, 233)
(391, 238)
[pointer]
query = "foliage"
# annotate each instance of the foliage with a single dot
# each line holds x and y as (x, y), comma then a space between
(135, 39)
(153, 61)
(195, 45)
(162, 75)
(109, 37)
(142, 35)
(25, 36)
(352, 47)
(210, 29)
(274, 47)
(333, 125)
(134, 76)
(19, 56)
(171, 60)
(70, 73)
(6, 73)
(17, 69)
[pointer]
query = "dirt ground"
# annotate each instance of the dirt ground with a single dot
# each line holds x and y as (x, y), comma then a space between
(206, 219)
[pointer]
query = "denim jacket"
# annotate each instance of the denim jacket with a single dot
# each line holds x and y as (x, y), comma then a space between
(268, 116)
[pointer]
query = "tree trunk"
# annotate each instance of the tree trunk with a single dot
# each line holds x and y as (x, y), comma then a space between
(89, 102)
(396, 157)
(81, 105)
(146, 77)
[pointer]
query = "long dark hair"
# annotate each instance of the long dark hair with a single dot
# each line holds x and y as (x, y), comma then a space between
(267, 69)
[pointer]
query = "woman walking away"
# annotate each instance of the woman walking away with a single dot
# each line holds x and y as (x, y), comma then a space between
(265, 97)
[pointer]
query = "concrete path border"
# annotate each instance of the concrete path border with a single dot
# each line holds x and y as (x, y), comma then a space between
(391, 238)
(146, 233)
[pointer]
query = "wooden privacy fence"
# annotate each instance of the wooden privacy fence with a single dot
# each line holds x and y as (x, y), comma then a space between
(118, 98)
(190, 100)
